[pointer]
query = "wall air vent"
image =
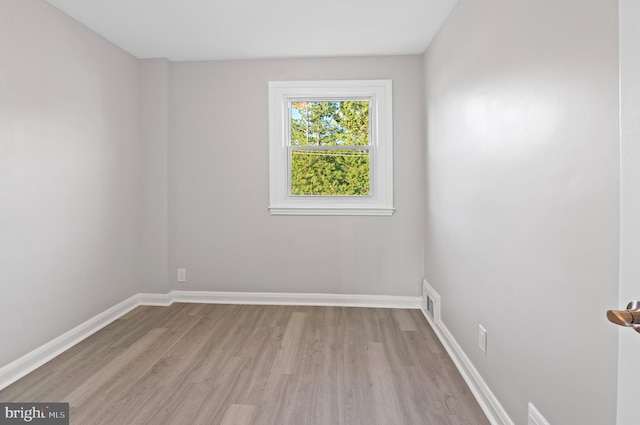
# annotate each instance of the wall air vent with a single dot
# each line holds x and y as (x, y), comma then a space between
(429, 307)
(430, 303)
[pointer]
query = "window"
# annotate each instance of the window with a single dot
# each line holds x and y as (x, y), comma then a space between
(331, 147)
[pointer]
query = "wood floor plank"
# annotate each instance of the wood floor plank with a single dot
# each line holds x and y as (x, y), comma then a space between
(238, 414)
(286, 357)
(103, 376)
(387, 401)
(201, 364)
(126, 376)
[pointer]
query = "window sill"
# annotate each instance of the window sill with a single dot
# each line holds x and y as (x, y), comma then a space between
(386, 212)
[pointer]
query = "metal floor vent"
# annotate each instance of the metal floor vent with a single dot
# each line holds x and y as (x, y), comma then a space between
(430, 307)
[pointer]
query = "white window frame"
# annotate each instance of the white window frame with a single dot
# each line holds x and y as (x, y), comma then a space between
(379, 93)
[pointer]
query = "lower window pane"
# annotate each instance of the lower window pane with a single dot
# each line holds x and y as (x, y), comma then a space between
(330, 172)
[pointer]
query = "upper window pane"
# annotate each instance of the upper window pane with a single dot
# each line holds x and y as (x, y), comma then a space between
(330, 123)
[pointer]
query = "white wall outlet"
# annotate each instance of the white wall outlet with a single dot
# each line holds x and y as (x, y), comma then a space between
(182, 275)
(535, 417)
(482, 338)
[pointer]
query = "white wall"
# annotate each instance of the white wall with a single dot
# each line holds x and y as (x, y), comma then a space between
(629, 343)
(154, 201)
(222, 232)
(522, 208)
(69, 175)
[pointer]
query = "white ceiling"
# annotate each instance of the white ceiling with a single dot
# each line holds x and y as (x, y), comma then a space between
(243, 29)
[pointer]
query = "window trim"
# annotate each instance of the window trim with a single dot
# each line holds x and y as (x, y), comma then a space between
(379, 92)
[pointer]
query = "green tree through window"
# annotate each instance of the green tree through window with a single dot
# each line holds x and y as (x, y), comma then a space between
(330, 148)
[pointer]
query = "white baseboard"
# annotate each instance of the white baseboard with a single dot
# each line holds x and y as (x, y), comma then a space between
(15, 370)
(267, 298)
(535, 417)
(488, 402)
(282, 298)
(160, 300)
(24, 365)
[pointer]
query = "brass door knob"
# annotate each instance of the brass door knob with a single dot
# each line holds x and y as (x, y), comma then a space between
(629, 318)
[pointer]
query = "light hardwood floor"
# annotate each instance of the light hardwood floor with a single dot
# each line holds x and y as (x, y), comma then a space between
(257, 365)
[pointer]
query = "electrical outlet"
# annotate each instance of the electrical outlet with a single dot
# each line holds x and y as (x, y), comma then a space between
(182, 275)
(482, 338)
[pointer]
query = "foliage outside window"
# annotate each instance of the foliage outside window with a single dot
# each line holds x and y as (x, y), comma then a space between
(331, 147)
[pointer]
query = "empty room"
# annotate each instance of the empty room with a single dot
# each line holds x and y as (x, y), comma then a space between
(344, 212)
